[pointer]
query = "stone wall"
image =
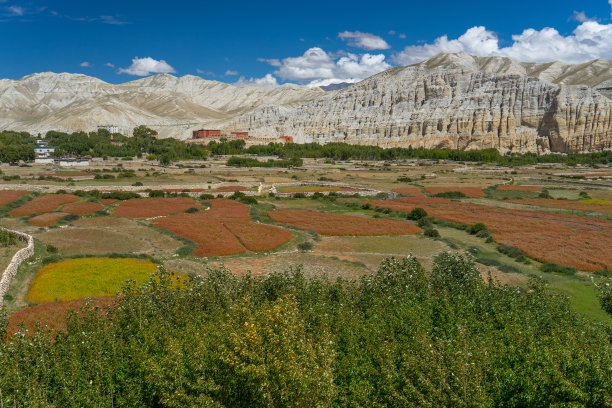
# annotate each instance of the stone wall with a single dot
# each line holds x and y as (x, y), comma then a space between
(18, 258)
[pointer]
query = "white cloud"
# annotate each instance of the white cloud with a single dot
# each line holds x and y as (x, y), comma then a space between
(108, 64)
(111, 20)
(202, 72)
(16, 11)
(317, 65)
(402, 36)
(268, 80)
(590, 40)
(84, 64)
(275, 62)
(582, 17)
(364, 40)
(229, 72)
(392, 32)
(147, 66)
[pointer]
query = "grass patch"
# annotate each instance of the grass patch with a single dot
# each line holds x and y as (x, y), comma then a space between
(87, 277)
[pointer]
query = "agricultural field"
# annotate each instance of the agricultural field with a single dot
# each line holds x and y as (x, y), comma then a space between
(334, 233)
(87, 277)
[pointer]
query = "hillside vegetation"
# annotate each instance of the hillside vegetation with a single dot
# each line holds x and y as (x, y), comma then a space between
(399, 337)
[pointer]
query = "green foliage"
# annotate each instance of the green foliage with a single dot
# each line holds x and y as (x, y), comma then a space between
(235, 161)
(416, 214)
(477, 228)
(605, 297)
(192, 210)
(120, 195)
(512, 252)
(451, 194)
(206, 196)
(404, 179)
(431, 232)
(248, 200)
(552, 267)
(7, 238)
(305, 246)
(343, 151)
(399, 337)
(544, 194)
(584, 195)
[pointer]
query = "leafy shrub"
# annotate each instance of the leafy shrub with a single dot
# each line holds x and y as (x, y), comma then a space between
(416, 214)
(120, 195)
(451, 194)
(544, 194)
(192, 210)
(552, 267)
(305, 246)
(404, 179)
(156, 193)
(237, 195)
(366, 206)
(71, 217)
(137, 184)
(248, 200)
(512, 252)
(431, 232)
(476, 228)
(299, 195)
(206, 196)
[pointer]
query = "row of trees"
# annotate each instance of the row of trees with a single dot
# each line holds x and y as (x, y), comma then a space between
(399, 337)
(16, 146)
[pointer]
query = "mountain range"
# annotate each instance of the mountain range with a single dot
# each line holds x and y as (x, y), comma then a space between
(451, 100)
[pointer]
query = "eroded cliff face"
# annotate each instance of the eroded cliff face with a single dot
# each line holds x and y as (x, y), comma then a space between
(460, 106)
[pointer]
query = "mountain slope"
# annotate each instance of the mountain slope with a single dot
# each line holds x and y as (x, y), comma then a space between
(172, 105)
(458, 101)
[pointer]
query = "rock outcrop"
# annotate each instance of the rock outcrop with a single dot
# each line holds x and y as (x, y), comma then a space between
(458, 101)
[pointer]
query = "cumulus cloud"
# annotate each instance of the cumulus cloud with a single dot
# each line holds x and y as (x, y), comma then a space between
(108, 64)
(275, 62)
(84, 64)
(230, 72)
(317, 65)
(590, 40)
(147, 66)
(366, 41)
(268, 80)
(402, 36)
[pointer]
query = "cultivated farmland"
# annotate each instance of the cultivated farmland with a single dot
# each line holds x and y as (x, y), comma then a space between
(339, 224)
(42, 204)
(8, 196)
(82, 208)
(468, 191)
(46, 219)
(153, 207)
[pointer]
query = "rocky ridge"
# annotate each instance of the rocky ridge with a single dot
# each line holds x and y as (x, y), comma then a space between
(458, 101)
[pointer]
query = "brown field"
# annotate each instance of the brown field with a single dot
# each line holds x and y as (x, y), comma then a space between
(516, 187)
(468, 191)
(409, 191)
(212, 238)
(44, 220)
(566, 205)
(581, 242)
(224, 229)
(52, 315)
(307, 189)
(259, 237)
(8, 196)
(108, 201)
(43, 203)
(82, 208)
(153, 207)
(339, 224)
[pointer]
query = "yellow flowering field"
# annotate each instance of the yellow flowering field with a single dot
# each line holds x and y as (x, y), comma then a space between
(87, 277)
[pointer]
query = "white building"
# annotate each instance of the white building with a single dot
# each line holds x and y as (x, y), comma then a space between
(72, 162)
(111, 128)
(44, 152)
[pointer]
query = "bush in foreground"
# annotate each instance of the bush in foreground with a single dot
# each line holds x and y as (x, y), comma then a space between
(399, 337)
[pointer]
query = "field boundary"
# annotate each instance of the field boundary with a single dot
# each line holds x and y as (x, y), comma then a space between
(11, 270)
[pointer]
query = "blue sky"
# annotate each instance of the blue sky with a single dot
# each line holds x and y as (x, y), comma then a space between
(273, 42)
